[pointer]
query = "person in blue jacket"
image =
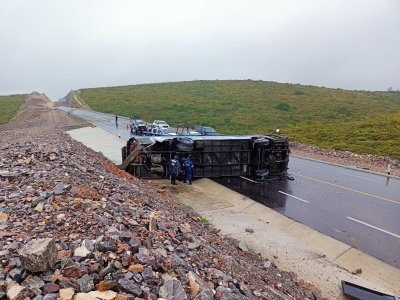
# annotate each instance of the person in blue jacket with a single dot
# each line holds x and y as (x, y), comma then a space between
(189, 167)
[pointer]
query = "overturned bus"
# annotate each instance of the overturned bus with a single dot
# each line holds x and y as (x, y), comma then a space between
(212, 156)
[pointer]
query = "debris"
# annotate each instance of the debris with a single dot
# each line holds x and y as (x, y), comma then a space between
(307, 285)
(264, 264)
(103, 234)
(59, 189)
(356, 272)
(243, 247)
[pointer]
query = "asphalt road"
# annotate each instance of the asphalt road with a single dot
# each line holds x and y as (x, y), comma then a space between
(359, 208)
(103, 121)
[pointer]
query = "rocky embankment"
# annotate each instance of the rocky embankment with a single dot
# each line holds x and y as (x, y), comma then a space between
(73, 226)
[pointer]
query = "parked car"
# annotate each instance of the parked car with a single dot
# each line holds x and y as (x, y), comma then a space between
(138, 126)
(190, 133)
(205, 130)
(161, 131)
(160, 124)
(186, 129)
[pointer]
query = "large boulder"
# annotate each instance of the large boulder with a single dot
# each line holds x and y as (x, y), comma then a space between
(39, 255)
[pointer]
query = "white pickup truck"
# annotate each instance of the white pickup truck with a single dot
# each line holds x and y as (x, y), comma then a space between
(155, 131)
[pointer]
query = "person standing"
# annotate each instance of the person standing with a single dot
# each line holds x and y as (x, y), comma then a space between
(189, 168)
(174, 166)
(116, 119)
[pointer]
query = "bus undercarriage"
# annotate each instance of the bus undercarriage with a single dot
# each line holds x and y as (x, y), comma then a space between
(212, 156)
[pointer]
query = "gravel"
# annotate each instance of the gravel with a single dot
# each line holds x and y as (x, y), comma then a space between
(116, 237)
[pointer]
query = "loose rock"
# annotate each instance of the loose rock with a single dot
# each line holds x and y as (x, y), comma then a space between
(172, 289)
(39, 255)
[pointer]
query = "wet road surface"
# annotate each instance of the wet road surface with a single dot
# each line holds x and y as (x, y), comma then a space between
(104, 121)
(358, 208)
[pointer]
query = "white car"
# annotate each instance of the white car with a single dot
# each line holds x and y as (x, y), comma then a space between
(160, 124)
(162, 132)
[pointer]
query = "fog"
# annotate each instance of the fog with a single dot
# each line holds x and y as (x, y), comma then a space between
(55, 46)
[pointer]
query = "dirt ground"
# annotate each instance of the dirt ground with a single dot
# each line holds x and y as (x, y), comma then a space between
(38, 115)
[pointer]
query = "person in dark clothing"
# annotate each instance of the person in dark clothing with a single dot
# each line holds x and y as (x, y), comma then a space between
(116, 119)
(174, 166)
(189, 168)
(132, 147)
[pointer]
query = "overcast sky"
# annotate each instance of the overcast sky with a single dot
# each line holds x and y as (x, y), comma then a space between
(54, 46)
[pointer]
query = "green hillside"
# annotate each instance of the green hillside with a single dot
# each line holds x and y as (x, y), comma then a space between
(359, 121)
(378, 135)
(9, 106)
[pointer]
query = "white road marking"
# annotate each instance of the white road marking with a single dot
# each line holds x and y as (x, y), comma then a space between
(357, 176)
(309, 165)
(377, 228)
(294, 197)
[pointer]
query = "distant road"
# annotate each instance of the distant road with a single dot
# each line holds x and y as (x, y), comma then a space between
(103, 121)
(359, 208)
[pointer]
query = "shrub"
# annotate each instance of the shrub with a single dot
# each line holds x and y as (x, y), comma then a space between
(331, 115)
(298, 92)
(283, 106)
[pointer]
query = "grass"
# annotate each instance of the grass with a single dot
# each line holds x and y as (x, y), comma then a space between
(231, 106)
(359, 121)
(378, 135)
(9, 106)
(203, 220)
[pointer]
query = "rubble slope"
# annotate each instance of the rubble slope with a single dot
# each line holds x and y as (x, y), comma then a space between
(71, 223)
